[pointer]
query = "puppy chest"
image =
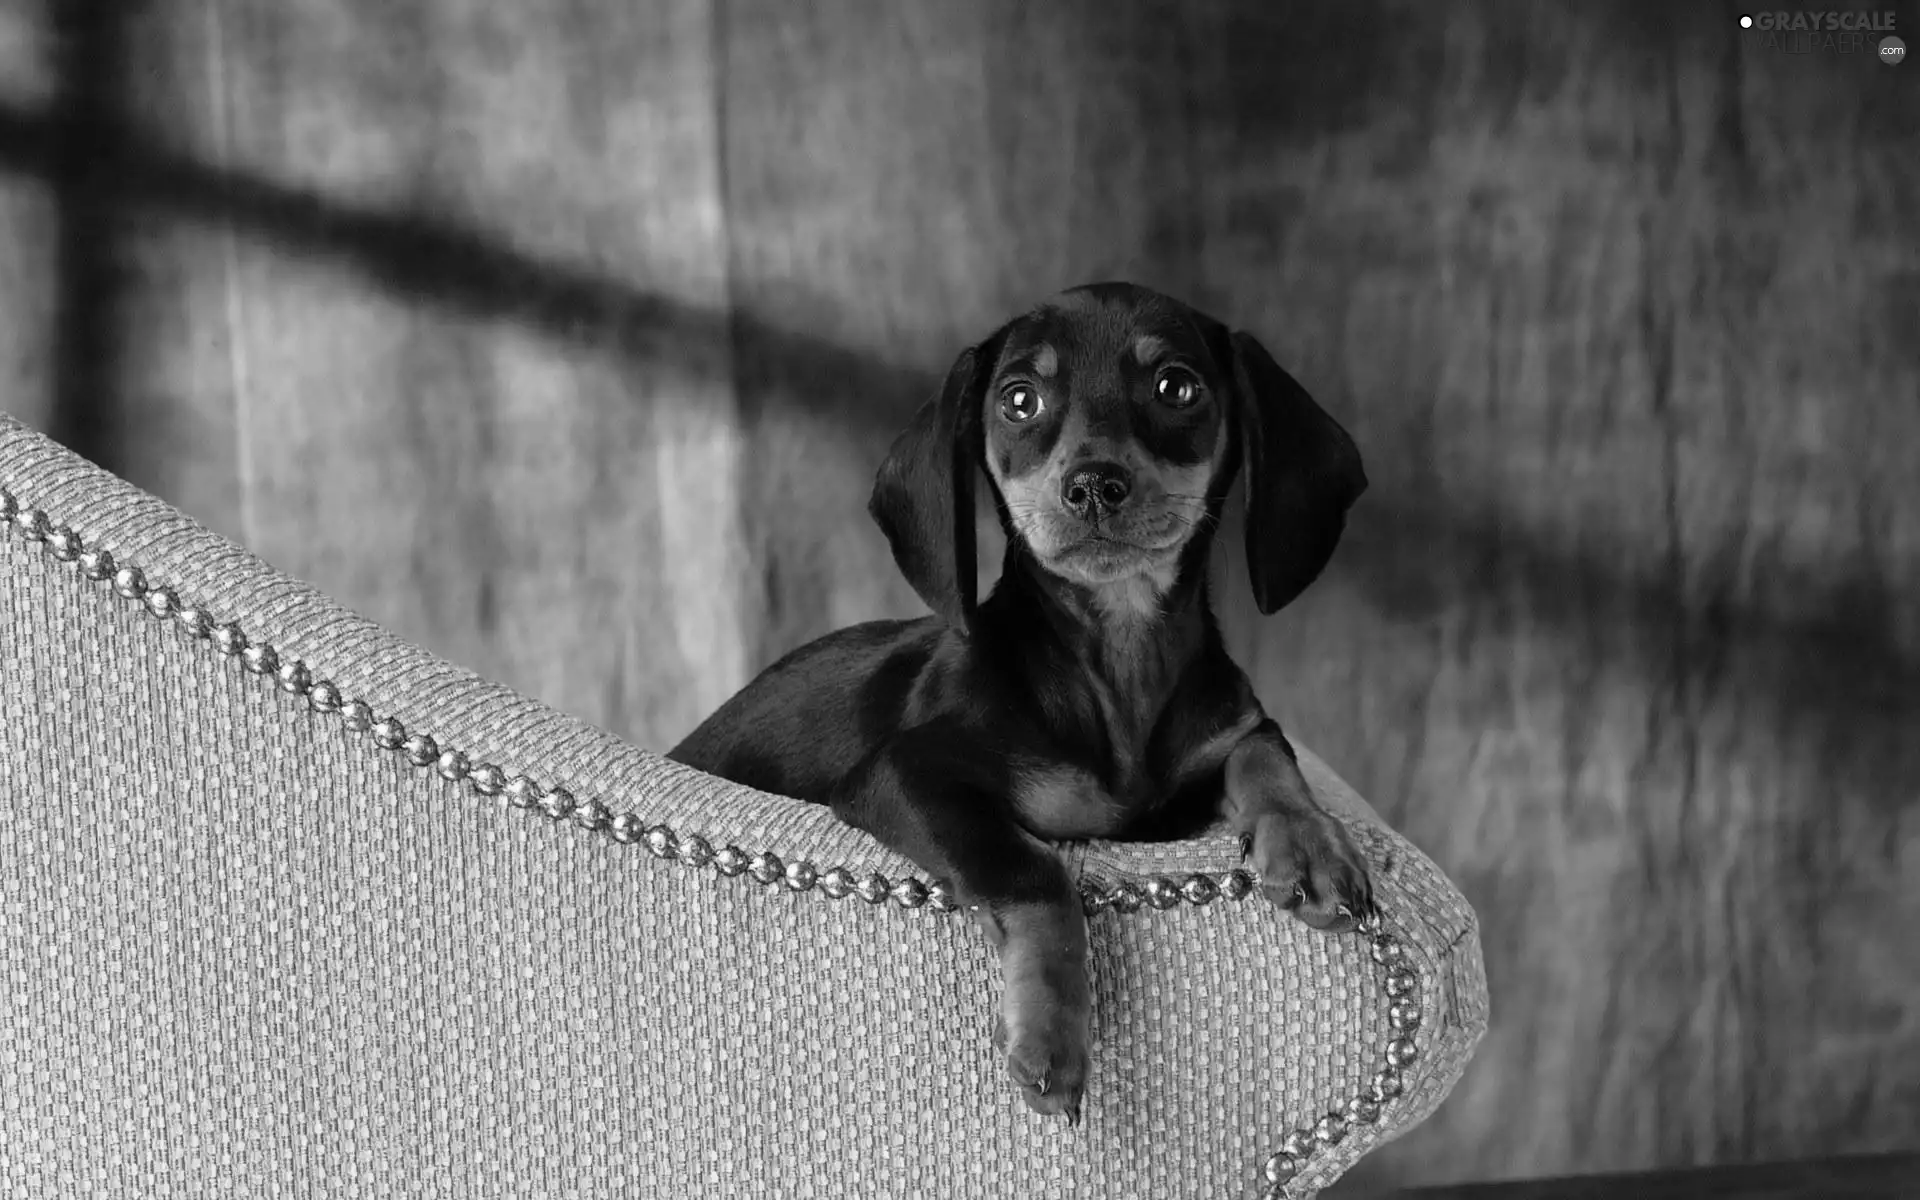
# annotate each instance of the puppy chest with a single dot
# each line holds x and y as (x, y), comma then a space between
(1064, 801)
(1058, 800)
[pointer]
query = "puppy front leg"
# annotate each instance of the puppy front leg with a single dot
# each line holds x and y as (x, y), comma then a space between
(933, 795)
(1305, 859)
(1046, 1000)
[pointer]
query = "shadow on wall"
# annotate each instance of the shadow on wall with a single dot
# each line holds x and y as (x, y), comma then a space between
(1842, 676)
(104, 180)
(80, 148)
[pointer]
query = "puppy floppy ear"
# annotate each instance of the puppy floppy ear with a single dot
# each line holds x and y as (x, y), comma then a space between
(923, 494)
(1303, 474)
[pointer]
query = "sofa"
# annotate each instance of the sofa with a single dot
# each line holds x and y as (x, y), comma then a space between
(290, 906)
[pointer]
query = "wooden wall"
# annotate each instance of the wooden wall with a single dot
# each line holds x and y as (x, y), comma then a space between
(564, 339)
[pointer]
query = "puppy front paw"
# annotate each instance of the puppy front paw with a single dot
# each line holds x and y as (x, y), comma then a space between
(1309, 866)
(1044, 1033)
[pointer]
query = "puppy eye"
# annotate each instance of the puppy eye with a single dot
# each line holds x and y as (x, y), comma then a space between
(1020, 403)
(1177, 387)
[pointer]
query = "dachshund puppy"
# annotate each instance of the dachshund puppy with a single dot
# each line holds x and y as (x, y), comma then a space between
(1089, 694)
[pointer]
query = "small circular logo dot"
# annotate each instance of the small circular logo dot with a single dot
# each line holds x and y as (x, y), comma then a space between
(1892, 50)
(1746, 22)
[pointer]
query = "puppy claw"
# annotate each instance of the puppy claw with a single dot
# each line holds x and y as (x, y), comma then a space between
(1048, 1064)
(1309, 867)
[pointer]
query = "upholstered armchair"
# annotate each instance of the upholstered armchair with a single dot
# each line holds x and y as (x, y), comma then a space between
(289, 905)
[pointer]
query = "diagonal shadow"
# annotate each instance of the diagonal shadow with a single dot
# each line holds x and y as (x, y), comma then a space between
(417, 254)
(1843, 674)
(1832, 673)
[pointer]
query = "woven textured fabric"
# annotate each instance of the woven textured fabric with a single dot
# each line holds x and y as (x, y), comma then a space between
(251, 943)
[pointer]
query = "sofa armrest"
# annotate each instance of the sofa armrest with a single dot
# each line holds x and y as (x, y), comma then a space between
(285, 900)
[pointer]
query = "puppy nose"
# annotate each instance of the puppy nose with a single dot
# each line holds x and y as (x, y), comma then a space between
(1096, 488)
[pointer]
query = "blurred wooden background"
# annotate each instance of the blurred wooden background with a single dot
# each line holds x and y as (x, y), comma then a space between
(564, 340)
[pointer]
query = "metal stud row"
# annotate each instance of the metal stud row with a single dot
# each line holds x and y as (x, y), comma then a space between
(764, 868)
(1402, 986)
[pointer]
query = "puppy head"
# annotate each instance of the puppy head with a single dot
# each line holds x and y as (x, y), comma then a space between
(1111, 420)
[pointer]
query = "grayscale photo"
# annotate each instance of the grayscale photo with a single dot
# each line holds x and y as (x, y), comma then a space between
(948, 600)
